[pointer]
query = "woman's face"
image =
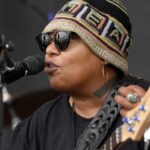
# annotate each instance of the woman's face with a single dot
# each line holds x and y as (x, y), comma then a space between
(74, 68)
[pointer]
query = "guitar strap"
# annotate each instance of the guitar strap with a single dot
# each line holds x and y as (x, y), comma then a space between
(98, 128)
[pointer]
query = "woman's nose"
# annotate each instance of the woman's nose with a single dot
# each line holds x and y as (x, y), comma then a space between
(52, 50)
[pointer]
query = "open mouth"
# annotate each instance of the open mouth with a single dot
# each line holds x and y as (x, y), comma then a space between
(50, 67)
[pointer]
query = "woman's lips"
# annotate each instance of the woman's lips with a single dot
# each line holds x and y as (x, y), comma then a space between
(50, 67)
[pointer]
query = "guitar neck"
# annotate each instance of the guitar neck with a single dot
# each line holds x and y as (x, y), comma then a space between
(113, 140)
(137, 120)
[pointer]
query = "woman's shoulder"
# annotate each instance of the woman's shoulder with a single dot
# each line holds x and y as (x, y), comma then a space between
(52, 104)
(45, 112)
(33, 128)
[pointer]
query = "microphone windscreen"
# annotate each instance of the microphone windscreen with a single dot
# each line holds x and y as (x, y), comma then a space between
(33, 64)
(41, 61)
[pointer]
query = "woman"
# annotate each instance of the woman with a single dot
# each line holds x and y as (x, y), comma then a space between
(86, 48)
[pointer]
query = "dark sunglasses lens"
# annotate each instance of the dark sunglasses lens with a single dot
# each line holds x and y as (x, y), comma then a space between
(61, 40)
(43, 41)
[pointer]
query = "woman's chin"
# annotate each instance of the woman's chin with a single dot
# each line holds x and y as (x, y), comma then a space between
(59, 86)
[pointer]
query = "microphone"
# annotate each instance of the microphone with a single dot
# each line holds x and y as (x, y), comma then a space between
(29, 66)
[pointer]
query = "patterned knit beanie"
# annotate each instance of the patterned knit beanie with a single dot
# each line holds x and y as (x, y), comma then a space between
(103, 25)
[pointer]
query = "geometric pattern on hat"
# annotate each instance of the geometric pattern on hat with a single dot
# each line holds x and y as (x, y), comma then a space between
(106, 36)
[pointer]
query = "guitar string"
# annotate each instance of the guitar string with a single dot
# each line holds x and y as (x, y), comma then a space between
(123, 135)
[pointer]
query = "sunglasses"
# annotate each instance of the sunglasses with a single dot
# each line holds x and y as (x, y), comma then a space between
(61, 40)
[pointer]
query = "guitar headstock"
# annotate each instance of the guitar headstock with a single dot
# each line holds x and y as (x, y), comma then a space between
(137, 120)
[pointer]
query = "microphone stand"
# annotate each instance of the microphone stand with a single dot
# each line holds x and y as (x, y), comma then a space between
(2, 39)
(4, 64)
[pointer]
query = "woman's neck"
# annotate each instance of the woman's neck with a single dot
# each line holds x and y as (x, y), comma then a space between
(87, 104)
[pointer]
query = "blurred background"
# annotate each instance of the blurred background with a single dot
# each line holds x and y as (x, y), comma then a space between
(22, 20)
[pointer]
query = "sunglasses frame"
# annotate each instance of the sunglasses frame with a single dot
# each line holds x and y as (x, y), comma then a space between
(61, 40)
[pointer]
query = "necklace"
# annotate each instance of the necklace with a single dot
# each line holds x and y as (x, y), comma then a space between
(87, 115)
(74, 107)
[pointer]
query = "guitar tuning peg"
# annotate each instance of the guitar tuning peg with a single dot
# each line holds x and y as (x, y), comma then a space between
(128, 121)
(142, 108)
(136, 118)
(125, 120)
(131, 129)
